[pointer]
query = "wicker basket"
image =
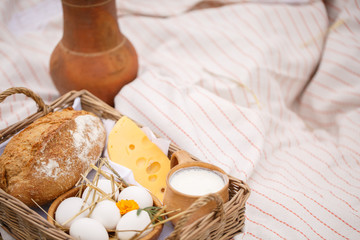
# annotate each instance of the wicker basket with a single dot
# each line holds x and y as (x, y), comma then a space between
(21, 222)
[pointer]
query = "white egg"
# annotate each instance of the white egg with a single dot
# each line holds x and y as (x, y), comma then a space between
(88, 229)
(139, 194)
(107, 213)
(68, 209)
(105, 185)
(132, 221)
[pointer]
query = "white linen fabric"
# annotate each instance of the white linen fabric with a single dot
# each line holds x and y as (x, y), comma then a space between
(267, 90)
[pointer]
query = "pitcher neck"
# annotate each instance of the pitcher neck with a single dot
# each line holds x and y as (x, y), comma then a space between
(90, 25)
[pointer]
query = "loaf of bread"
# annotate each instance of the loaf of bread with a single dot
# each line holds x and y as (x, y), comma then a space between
(48, 157)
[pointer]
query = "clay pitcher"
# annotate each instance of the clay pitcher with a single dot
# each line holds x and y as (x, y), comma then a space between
(93, 54)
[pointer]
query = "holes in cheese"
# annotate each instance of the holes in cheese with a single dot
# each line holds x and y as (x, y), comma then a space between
(140, 163)
(129, 146)
(153, 168)
(152, 178)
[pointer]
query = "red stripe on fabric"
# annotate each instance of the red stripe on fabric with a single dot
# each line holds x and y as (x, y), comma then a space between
(231, 123)
(357, 4)
(32, 70)
(221, 150)
(320, 11)
(299, 183)
(321, 175)
(215, 125)
(228, 88)
(262, 225)
(344, 54)
(357, 20)
(328, 166)
(352, 122)
(322, 85)
(289, 36)
(310, 107)
(253, 235)
(167, 117)
(348, 204)
(264, 29)
(335, 102)
(334, 39)
(146, 117)
(215, 90)
(50, 97)
(295, 169)
(352, 170)
(12, 112)
(221, 48)
(355, 159)
(266, 169)
(230, 39)
(15, 112)
(183, 47)
(201, 128)
(217, 128)
(328, 3)
(38, 50)
(10, 83)
(181, 110)
(335, 161)
(279, 59)
(352, 41)
(287, 209)
(350, 149)
(276, 219)
(248, 40)
(162, 43)
(345, 68)
(294, 24)
(253, 30)
(334, 214)
(250, 26)
(294, 134)
(15, 67)
(249, 121)
(346, 25)
(303, 206)
(198, 125)
(214, 60)
(249, 56)
(308, 29)
(322, 31)
(3, 119)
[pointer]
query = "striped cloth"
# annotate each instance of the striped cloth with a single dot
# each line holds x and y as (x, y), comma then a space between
(267, 90)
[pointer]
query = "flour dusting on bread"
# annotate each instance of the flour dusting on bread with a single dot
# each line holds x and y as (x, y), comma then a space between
(50, 168)
(87, 131)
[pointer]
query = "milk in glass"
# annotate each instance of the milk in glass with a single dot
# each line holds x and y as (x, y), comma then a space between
(197, 181)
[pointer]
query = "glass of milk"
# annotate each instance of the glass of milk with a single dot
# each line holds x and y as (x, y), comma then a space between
(190, 180)
(197, 181)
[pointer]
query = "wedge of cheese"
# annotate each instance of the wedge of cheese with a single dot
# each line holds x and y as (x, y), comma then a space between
(130, 147)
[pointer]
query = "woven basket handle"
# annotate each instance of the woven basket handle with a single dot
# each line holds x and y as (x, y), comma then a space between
(42, 107)
(202, 201)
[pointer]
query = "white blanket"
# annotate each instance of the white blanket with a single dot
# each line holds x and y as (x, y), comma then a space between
(267, 90)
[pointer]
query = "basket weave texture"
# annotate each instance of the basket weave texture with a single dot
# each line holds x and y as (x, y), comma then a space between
(21, 222)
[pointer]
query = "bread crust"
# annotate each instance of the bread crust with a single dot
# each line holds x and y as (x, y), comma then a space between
(48, 157)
